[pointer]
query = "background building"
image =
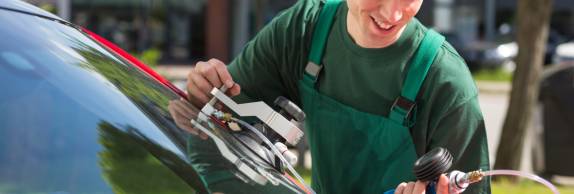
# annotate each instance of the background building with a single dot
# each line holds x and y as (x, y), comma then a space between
(185, 31)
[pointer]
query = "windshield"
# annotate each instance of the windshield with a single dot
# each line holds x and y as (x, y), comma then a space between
(76, 119)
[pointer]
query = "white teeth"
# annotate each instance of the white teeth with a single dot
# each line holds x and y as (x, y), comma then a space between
(382, 24)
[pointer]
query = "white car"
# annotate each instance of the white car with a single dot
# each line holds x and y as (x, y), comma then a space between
(564, 53)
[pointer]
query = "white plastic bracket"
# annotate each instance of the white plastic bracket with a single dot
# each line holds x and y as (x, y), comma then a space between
(276, 121)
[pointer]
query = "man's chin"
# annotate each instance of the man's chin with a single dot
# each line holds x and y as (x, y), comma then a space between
(375, 41)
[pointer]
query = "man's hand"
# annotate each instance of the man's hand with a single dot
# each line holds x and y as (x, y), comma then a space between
(204, 77)
(182, 112)
(419, 187)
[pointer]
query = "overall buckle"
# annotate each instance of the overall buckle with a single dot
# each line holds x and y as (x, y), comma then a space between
(407, 106)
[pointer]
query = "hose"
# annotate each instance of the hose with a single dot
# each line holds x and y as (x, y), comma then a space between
(523, 174)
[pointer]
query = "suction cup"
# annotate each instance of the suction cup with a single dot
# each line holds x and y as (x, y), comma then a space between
(431, 165)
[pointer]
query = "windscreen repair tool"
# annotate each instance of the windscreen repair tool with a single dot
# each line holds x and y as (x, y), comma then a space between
(257, 150)
(436, 162)
(431, 165)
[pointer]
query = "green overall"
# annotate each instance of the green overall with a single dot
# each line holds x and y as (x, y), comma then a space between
(354, 151)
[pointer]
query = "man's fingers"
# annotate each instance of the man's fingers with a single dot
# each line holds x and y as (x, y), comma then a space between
(179, 111)
(197, 94)
(207, 75)
(200, 82)
(222, 72)
(401, 188)
(189, 129)
(420, 187)
(172, 108)
(188, 110)
(198, 98)
(213, 70)
(442, 186)
(176, 111)
(409, 188)
(235, 90)
(213, 79)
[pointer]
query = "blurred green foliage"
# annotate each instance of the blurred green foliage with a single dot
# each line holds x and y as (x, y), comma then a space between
(498, 74)
(525, 187)
(150, 57)
(129, 168)
(305, 173)
(138, 87)
(48, 7)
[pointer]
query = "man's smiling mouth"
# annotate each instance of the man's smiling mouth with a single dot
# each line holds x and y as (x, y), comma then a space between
(382, 25)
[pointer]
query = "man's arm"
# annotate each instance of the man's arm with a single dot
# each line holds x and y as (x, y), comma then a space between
(461, 130)
(455, 120)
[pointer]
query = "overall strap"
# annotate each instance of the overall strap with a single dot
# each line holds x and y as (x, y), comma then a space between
(423, 58)
(320, 34)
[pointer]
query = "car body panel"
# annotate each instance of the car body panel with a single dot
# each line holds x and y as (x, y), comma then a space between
(564, 53)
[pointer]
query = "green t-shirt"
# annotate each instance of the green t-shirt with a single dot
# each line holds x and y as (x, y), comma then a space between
(448, 114)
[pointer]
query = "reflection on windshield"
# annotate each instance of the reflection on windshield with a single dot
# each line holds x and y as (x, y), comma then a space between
(125, 162)
(149, 96)
(63, 96)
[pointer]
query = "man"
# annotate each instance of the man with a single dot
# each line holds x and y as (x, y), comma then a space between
(379, 89)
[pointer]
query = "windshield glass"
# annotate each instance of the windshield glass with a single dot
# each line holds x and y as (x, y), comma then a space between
(76, 119)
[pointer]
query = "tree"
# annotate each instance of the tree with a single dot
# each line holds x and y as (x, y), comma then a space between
(533, 18)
